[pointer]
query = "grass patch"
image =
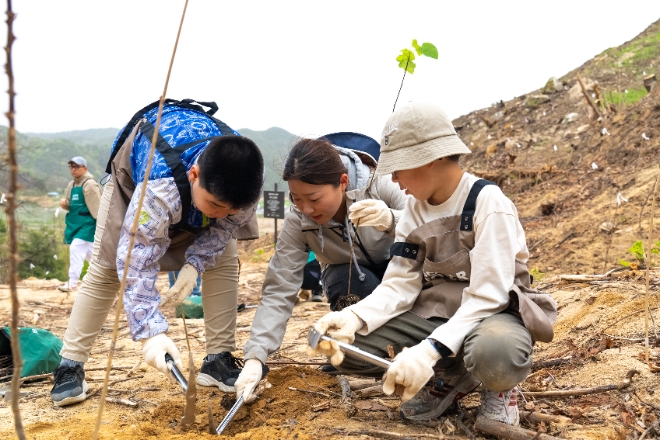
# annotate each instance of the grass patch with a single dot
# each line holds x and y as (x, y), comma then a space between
(631, 97)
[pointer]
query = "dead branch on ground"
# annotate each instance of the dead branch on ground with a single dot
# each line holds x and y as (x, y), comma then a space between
(504, 430)
(346, 403)
(583, 391)
(380, 434)
(120, 401)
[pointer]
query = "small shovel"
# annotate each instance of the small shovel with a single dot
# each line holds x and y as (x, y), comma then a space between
(234, 409)
(313, 338)
(176, 372)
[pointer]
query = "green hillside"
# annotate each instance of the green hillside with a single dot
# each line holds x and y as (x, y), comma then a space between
(43, 157)
(274, 144)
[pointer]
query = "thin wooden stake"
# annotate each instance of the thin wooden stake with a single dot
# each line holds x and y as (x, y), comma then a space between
(11, 220)
(131, 242)
(649, 246)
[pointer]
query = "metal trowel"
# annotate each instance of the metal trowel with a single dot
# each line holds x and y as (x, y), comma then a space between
(176, 373)
(314, 337)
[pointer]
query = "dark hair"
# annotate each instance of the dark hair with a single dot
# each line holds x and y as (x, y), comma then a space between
(453, 157)
(315, 162)
(231, 168)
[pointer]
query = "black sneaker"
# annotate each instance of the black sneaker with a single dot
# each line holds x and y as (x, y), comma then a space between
(70, 386)
(221, 372)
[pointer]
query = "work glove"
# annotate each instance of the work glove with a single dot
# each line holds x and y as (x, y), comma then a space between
(247, 381)
(412, 369)
(371, 212)
(183, 286)
(337, 325)
(154, 350)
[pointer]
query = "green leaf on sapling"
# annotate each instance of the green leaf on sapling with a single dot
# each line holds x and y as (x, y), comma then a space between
(406, 60)
(429, 50)
(417, 47)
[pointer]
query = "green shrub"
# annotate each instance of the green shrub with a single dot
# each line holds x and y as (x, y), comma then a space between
(37, 251)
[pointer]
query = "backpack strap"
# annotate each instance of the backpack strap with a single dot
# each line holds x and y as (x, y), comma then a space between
(471, 204)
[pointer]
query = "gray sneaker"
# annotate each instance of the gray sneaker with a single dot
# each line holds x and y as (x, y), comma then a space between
(70, 386)
(428, 405)
(501, 406)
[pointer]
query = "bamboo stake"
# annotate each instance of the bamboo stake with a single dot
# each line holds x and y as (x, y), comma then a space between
(649, 246)
(11, 220)
(131, 242)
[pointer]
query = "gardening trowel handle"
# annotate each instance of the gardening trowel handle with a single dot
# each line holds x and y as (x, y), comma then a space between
(360, 354)
(176, 372)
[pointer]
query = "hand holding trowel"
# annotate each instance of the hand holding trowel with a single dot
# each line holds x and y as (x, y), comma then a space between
(314, 337)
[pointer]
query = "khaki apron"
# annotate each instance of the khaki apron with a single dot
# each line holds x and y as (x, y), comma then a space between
(443, 246)
(174, 258)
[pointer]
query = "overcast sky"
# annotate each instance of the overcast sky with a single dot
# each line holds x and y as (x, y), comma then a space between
(310, 67)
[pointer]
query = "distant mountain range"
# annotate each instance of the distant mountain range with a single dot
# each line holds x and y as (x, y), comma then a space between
(43, 157)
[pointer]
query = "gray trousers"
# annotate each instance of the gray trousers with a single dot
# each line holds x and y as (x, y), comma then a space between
(498, 352)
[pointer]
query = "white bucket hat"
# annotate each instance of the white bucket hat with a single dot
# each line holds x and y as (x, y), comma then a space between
(417, 133)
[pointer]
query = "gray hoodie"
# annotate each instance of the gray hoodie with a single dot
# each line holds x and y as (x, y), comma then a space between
(301, 233)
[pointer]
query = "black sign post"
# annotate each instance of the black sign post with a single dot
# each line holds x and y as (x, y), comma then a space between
(274, 206)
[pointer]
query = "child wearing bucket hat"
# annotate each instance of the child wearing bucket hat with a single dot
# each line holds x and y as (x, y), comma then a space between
(455, 301)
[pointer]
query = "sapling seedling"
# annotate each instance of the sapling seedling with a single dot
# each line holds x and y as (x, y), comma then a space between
(407, 61)
(637, 251)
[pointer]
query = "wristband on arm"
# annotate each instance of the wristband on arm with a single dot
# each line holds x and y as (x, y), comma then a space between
(440, 348)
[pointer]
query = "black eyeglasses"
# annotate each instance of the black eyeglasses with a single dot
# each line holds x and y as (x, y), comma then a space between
(75, 167)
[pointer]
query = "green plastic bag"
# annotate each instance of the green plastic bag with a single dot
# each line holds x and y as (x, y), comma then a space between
(192, 307)
(40, 349)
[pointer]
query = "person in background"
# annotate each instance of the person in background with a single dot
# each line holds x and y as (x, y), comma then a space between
(312, 288)
(82, 198)
(346, 215)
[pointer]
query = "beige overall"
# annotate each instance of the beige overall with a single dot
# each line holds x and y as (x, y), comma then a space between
(498, 352)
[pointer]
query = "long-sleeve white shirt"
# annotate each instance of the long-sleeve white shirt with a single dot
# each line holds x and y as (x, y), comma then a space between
(499, 242)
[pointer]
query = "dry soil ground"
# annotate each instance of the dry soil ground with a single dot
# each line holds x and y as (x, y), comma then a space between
(597, 343)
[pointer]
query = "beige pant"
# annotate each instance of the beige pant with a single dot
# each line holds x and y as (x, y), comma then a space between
(100, 286)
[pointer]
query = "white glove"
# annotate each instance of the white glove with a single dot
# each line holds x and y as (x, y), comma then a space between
(371, 212)
(337, 325)
(248, 380)
(154, 350)
(412, 368)
(182, 288)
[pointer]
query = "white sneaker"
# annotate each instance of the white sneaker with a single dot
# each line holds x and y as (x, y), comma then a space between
(501, 406)
(67, 287)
